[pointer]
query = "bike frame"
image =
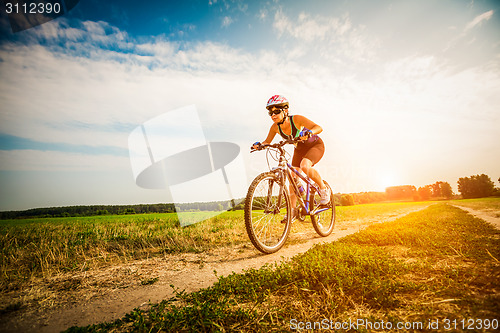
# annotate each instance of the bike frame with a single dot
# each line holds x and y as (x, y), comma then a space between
(287, 168)
(268, 216)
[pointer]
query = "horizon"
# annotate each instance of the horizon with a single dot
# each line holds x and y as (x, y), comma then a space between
(406, 92)
(225, 201)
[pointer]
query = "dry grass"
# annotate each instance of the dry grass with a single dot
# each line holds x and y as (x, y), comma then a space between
(48, 262)
(432, 265)
(36, 249)
(490, 205)
(48, 247)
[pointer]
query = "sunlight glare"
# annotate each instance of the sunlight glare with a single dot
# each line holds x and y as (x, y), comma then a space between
(386, 179)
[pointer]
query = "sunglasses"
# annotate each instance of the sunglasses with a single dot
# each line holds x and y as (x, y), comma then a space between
(275, 111)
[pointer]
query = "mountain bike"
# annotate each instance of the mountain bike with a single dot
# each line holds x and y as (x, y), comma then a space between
(268, 212)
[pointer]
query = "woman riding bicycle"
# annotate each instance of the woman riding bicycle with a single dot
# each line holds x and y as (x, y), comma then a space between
(307, 153)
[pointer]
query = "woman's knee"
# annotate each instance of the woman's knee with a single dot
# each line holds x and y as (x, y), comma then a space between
(305, 165)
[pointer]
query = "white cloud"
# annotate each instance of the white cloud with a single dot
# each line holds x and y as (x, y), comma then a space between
(158, 48)
(408, 107)
(468, 30)
(478, 20)
(309, 28)
(79, 99)
(262, 14)
(334, 39)
(226, 21)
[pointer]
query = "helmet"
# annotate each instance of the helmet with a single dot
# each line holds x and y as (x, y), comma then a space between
(278, 101)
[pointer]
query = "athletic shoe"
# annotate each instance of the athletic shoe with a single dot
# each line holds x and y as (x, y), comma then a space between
(325, 196)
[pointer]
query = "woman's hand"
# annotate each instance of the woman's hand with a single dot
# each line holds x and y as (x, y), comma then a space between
(256, 145)
(305, 134)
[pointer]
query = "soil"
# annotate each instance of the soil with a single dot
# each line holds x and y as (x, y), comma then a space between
(109, 293)
(491, 216)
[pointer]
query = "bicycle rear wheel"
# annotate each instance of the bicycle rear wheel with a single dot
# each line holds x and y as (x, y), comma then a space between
(323, 222)
(266, 205)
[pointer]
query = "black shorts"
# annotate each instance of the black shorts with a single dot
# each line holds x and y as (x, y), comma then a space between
(313, 150)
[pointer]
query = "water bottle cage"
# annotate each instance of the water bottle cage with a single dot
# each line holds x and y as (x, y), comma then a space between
(301, 189)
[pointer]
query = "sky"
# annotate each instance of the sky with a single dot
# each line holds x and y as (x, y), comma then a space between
(406, 91)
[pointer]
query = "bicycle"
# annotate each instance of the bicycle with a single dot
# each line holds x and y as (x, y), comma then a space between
(268, 213)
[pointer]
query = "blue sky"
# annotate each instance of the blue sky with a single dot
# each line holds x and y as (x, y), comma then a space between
(406, 91)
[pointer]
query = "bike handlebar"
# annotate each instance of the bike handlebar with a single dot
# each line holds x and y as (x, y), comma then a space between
(276, 145)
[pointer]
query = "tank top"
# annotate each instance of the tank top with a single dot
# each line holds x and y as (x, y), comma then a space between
(295, 132)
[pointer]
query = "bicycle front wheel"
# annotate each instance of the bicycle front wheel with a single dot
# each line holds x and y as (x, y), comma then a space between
(324, 221)
(266, 213)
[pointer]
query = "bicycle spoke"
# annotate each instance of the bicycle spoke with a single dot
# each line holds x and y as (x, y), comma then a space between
(324, 220)
(263, 214)
(267, 203)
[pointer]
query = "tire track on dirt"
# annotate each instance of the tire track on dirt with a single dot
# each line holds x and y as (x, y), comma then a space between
(489, 216)
(189, 272)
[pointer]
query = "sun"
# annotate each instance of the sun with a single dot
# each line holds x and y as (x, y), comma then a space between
(386, 179)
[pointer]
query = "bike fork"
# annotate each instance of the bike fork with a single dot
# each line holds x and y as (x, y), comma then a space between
(270, 208)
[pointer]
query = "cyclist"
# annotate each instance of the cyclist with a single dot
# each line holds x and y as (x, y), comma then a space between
(307, 153)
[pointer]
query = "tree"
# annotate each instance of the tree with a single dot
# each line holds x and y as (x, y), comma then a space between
(403, 192)
(476, 186)
(425, 192)
(368, 197)
(346, 200)
(446, 190)
(442, 189)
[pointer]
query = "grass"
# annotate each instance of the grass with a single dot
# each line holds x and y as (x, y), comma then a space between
(34, 249)
(485, 204)
(359, 212)
(45, 247)
(438, 266)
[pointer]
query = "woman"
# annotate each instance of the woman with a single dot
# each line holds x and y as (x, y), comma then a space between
(306, 153)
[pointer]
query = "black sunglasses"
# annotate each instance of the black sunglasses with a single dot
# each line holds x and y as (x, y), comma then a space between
(276, 111)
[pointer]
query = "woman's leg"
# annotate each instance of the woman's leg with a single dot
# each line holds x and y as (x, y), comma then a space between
(293, 197)
(307, 166)
(293, 202)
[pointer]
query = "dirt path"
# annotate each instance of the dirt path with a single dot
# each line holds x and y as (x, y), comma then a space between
(490, 215)
(108, 294)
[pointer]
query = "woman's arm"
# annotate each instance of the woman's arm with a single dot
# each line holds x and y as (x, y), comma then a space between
(271, 134)
(301, 122)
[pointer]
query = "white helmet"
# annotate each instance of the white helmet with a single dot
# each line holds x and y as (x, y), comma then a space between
(278, 101)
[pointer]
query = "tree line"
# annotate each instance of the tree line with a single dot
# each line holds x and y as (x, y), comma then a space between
(476, 186)
(96, 210)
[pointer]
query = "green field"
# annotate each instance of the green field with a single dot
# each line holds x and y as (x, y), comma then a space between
(432, 270)
(40, 248)
(43, 247)
(483, 204)
(439, 259)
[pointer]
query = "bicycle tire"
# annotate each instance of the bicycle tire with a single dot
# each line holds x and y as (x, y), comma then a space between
(263, 217)
(323, 222)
